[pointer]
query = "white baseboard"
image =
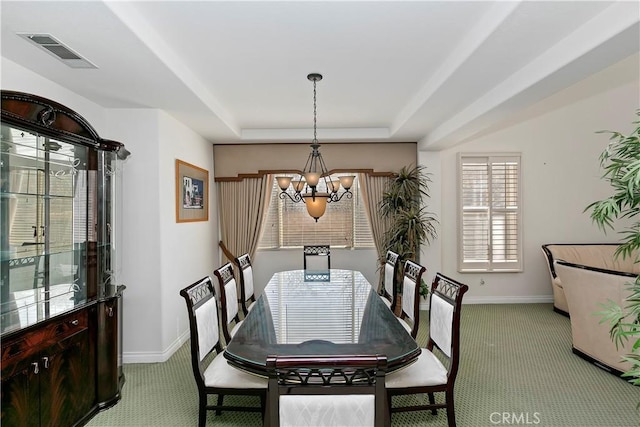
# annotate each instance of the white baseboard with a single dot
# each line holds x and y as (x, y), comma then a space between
(155, 357)
(538, 299)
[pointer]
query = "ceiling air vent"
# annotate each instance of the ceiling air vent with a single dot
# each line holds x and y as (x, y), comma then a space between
(54, 47)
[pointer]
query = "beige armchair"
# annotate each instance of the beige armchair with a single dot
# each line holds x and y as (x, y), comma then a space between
(597, 255)
(587, 289)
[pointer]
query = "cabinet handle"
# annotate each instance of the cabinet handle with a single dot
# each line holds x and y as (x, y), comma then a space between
(36, 367)
(110, 311)
(75, 322)
(35, 230)
(45, 360)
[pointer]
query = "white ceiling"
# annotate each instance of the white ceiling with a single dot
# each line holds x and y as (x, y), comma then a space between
(437, 72)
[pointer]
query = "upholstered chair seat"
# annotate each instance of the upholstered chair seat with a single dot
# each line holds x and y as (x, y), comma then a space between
(405, 325)
(428, 370)
(235, 328)
(222, 375)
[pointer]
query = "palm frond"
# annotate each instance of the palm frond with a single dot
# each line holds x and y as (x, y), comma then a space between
(621, 164)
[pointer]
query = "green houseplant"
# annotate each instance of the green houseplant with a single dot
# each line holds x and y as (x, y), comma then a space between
(410, 224)
(621, 164)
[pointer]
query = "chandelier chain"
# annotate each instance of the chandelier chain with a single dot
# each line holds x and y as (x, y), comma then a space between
(315, 114)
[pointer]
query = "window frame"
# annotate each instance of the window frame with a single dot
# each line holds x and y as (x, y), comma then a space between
(491, 265)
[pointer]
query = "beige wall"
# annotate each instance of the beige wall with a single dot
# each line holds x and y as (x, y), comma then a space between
(561, 177)
(232, 160)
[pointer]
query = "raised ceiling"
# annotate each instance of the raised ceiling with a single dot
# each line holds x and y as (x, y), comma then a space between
(436, 72)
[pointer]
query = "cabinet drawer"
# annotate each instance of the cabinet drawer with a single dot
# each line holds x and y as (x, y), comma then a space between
(27, 344)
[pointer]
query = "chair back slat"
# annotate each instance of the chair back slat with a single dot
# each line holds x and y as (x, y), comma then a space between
(441, 323)
(327, 390)
(444, 317)
(409, 298)
(203, 321)
(207, 326)
(247, 292)
(412, 277)
(247, 275)
(318, 254)
(231, 294)
(389, 279)
(391, 264)
(228, 297)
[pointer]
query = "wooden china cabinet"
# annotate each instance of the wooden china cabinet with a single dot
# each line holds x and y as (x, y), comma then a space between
(60, 296)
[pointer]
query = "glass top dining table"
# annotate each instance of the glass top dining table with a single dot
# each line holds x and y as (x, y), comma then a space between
(319, 313)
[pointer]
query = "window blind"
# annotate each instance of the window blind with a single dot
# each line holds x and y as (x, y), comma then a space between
(288, 225)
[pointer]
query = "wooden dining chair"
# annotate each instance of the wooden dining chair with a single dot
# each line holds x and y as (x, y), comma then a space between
(323, 391)
(389, 290)
(247, 294)
(410, 315)
(428, 374)
(228, 300)
(313, 252)
(215, 376)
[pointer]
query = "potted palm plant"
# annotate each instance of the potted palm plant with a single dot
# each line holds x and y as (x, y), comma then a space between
(410, 224)
(621, 164)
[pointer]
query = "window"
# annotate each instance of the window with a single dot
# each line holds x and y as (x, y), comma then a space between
(489, 218)
(344, 224)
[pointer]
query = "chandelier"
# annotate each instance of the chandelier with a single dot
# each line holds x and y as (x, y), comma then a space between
(314, 186)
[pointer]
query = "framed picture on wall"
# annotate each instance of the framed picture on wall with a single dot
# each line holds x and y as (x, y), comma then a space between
(192, 193)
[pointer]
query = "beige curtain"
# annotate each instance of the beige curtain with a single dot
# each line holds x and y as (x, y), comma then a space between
(243, 206)
(372, 187)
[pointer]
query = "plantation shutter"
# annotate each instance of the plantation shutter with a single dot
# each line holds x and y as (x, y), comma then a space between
(490, 216)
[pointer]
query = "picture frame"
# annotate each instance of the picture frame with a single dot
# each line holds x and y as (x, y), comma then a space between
(192, 192)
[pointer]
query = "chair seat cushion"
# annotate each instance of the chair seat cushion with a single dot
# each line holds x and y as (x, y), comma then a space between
(385, 301)
(235, 328)
(222, 375)
(426, 371)
(404, 325)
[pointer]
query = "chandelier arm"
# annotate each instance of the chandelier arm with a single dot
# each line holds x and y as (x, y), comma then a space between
(323, 167)
(335, 198)
(326, 183)
(295, 199)
(308, 165)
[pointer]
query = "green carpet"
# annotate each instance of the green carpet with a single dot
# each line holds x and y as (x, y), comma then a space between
(516, 368)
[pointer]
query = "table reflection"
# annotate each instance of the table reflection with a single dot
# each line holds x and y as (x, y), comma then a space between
(340, 315)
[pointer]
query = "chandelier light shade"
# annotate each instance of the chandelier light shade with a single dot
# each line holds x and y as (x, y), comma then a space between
(314, 186)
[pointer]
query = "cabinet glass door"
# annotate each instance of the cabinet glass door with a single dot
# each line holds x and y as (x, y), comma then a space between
(44, 210)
